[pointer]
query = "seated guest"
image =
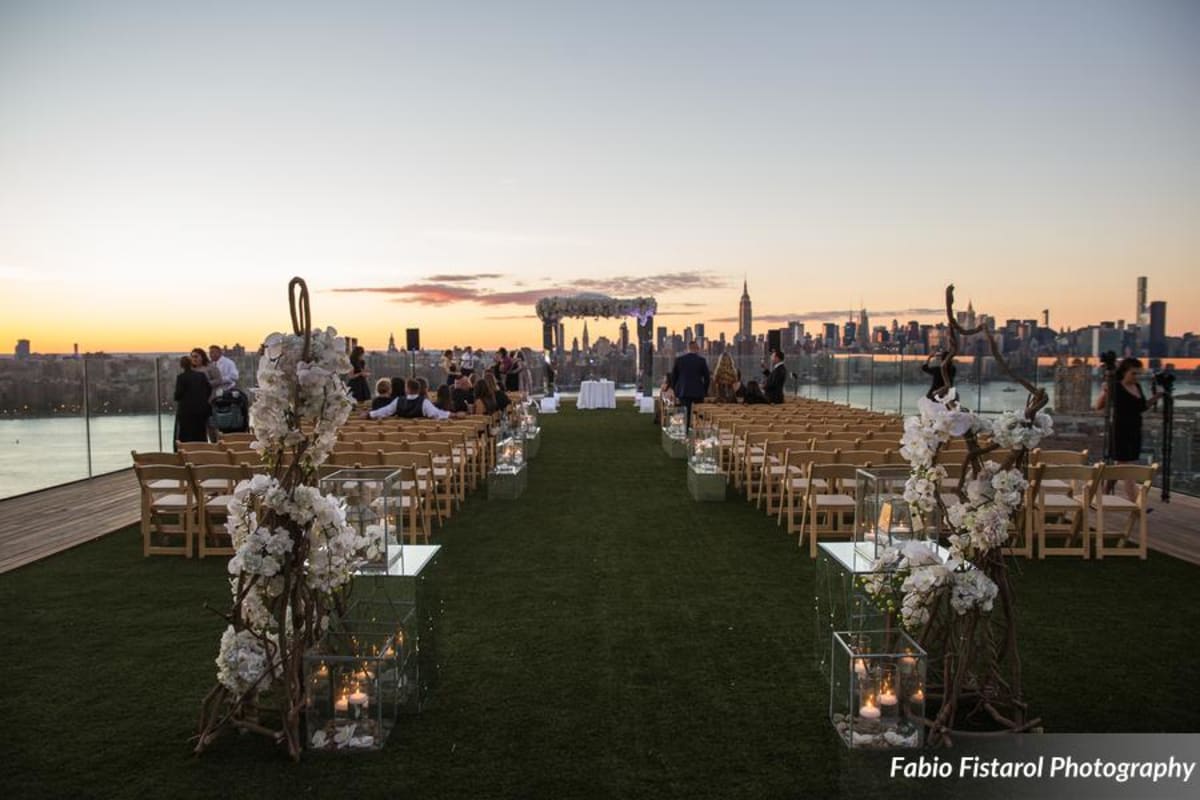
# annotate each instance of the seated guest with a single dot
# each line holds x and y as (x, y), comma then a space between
(424, 386)
(753, 395)
(463, 395)
(485, 398)
(442, 398)
(383, 394)
(502, 401)
(411, 406)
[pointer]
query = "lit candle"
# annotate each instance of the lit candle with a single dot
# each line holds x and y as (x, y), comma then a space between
(860, 668)
(887, 698)
(342, 705)
(907, 663)
(358, 698)
(869, 710)
(917, 697)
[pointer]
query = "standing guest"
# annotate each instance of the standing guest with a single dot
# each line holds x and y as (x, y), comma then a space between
(449, 367)
(485, 398)
(690, 378)
(524, 376)
(725, 379)
(412, 405)
(502, 401)
(358, 375)
(776, 378)
(383, 394)
(934, 370)
(442, 398)
(753, 394)
(508, 367)
(1129, 403)
(192, 410)
(201, 363)
(228, 369)
(466, 364)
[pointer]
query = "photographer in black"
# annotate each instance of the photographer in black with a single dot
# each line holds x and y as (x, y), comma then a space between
(1128, 403)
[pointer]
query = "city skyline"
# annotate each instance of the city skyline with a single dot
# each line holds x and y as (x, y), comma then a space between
(166, 168)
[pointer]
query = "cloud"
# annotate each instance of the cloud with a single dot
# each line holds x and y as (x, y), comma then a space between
(440, 290)
(479, 276)
(841, 313)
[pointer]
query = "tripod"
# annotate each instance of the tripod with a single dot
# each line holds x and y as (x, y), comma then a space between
(1168, 438)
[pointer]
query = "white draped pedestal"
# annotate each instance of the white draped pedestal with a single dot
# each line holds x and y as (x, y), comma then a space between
(549, 405)
(597, 394)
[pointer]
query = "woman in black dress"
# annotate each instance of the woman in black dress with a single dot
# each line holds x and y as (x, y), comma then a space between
(359, 389)
(192, 409)
(1129, 403)
(934, 371)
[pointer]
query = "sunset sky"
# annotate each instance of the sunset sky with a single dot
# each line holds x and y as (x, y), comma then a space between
(165, 167)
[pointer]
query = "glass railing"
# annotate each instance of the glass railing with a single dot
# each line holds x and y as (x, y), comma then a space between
(67, 419)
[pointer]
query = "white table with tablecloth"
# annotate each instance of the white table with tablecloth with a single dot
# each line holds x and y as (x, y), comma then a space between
(597, 394)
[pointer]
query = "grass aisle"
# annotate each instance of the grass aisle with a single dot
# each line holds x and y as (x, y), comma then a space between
(604, 636)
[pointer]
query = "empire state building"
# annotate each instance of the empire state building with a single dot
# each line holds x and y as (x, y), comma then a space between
(744, 316)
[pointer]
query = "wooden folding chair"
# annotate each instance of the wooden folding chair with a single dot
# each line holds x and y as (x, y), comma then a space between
(1109, 506)
(421, 484)
(796, 484)
(167, 508)
(1057, 457)
(827, 511)
(443, 472)
(774, 471)
(212, 487)
(1061, 516)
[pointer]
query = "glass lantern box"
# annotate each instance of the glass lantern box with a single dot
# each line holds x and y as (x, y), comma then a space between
(882, 517)
(676, 426)
(529, 429)
(703, 450)
(357, 679)
(373, 499)
(510, 454)
(877, 689)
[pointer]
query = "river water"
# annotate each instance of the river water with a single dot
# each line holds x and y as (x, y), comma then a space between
(43, 452)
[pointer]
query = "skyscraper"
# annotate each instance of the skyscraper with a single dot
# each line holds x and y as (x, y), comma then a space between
(586, 339)
(1158, 329)
(392, 343)
(1143, 315)
(22, 350)
(624, 338)
(700, 333)
(745, 318)
(660, 337)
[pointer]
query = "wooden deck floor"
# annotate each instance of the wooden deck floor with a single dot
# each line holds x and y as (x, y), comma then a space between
(41, 524)
(44, 523)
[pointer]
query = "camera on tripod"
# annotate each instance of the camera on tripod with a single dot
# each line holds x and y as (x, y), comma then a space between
(1165, 380)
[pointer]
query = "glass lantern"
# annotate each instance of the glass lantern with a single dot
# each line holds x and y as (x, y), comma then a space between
(882, 517)
(373, 500)
(527, 415)
(356, 682)
(703, 450)
(510, 454)
(677, 423)
(877, 689)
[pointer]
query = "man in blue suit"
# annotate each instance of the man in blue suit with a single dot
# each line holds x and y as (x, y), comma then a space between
(690, 378)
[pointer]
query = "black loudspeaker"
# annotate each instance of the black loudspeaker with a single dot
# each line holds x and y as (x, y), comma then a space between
(775, 339)
(414, 339)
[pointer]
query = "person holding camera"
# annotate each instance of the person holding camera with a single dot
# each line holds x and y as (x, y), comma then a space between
(934, 371)
(1128, 405)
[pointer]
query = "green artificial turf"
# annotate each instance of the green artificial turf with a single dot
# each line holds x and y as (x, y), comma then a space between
(604, 636)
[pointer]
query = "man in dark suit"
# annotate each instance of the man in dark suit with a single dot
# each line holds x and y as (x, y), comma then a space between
(690, 378)
(776, 377)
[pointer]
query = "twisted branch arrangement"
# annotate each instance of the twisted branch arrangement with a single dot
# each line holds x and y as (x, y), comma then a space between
(296, 608)
(977, 658)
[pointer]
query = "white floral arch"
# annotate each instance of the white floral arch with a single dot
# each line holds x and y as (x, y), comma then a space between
(552, 310)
